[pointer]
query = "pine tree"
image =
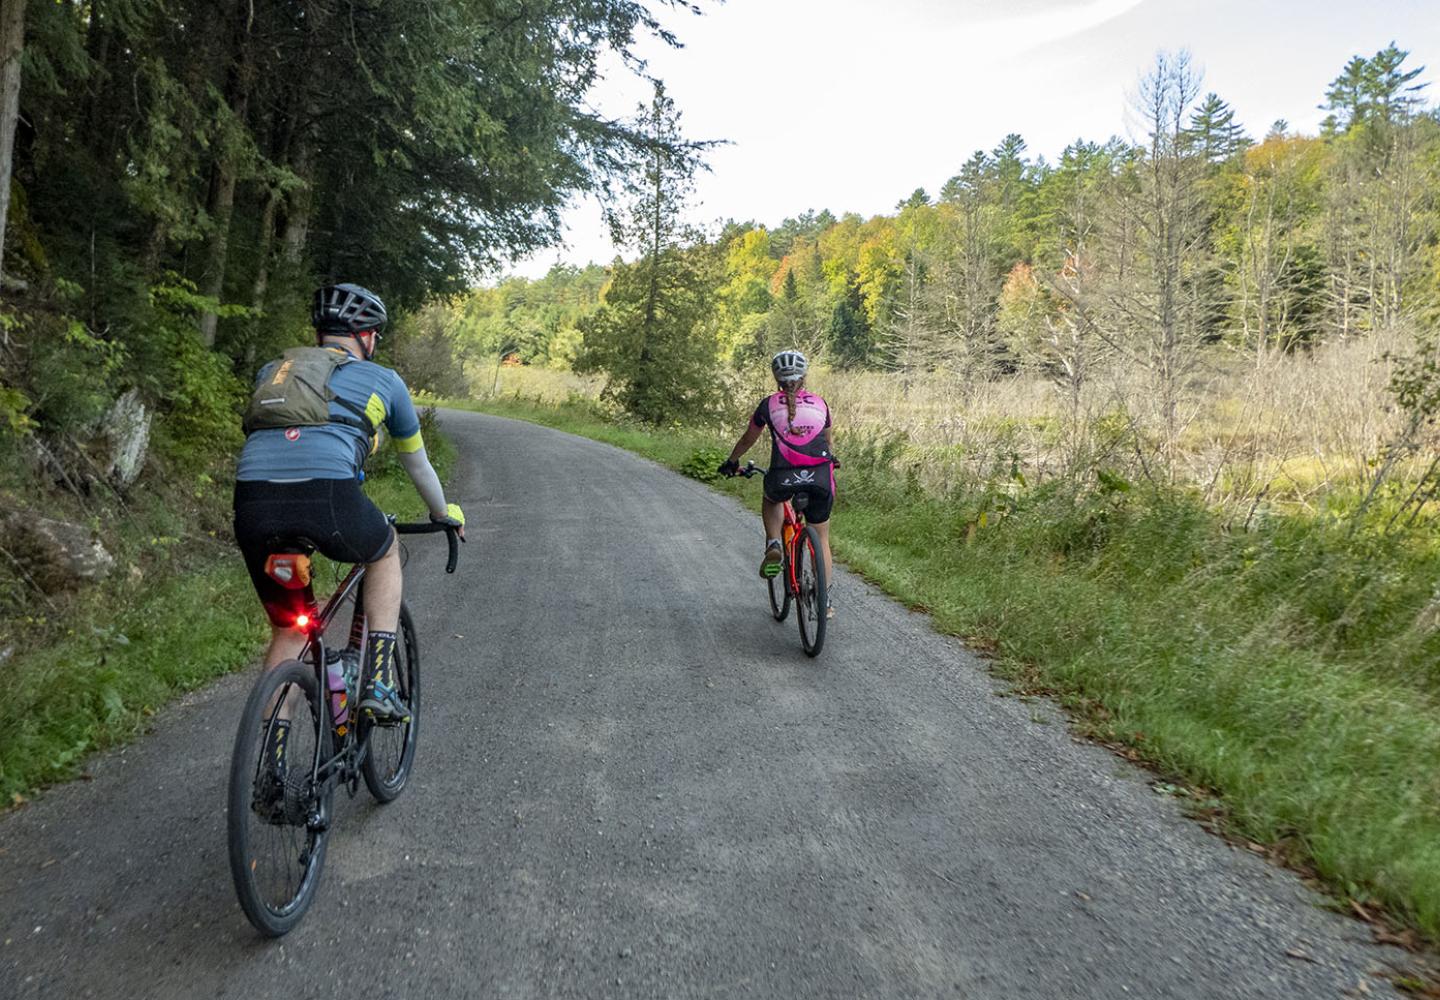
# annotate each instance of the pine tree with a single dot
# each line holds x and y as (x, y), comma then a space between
(1393, 97)
(653, 335)
(1346, 98)
(1214, 132)
(1373, 93)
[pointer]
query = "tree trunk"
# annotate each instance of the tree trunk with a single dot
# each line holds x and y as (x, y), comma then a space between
(101, 128)
(300, 141)
(262, 269)
(222, 206)
(12, 41)
(300, 202)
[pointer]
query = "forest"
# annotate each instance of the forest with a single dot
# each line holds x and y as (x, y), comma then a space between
(177, 176)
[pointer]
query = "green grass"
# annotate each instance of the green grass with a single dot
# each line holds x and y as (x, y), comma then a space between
(1290, 671)
(128, 648)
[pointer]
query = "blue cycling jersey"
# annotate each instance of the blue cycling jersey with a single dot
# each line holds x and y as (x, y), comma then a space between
(334, 451)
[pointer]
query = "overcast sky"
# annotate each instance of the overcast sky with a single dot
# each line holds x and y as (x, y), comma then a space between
(852, 104)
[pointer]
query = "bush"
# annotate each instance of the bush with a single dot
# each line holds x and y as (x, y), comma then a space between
(58, 376)
(703, 463)
(199, 398)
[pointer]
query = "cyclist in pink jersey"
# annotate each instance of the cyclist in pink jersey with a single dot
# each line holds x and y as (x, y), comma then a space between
(802, 459)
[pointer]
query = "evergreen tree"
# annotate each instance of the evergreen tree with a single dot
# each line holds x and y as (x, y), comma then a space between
(849, 334)
(1346, 97)
(1393, 96)
(1372, 93)
(1214, 132)
(653, 335)
(1008, 169)
(918, 199)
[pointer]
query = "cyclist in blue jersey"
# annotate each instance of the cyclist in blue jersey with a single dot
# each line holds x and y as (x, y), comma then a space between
(303, 480)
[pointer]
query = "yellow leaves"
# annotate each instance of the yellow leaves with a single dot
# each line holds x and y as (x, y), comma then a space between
(1294, 155)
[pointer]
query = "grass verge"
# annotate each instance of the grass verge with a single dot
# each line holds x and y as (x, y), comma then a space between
(1284, 673)
(131, 647)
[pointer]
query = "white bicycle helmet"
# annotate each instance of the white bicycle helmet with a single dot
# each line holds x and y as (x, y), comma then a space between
(789, 366)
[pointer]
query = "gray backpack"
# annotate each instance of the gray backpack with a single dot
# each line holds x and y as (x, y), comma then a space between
(298, 394)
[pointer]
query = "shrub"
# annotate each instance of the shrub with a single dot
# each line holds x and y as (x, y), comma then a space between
(703, 463)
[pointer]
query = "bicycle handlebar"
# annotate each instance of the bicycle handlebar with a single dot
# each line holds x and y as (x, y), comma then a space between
(432, 527)
(751, 469)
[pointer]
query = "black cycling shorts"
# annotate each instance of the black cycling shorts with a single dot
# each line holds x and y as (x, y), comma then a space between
(334, 515)
(816, 482)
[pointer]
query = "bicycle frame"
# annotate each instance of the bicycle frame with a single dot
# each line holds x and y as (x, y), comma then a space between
(792, 531)
(313, 652)
(345, 764)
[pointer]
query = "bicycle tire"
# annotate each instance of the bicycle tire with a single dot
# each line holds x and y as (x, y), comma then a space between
(276, 914)
(390, 754)
(811, 603)
(779, 584)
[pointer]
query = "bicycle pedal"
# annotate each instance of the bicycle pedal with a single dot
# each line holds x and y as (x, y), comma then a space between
(388, 721)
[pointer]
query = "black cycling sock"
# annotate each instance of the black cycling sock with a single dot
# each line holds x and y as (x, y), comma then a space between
(276, 739)
(380, 655)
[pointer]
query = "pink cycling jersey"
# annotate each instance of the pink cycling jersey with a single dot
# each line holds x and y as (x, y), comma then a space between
(799, 442)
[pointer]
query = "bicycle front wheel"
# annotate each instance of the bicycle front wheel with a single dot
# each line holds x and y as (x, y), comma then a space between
(811, 603)
(391, 749)
(278, 815)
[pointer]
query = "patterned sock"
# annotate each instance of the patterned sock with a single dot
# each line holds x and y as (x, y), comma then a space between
(381, 658)
(278, 736)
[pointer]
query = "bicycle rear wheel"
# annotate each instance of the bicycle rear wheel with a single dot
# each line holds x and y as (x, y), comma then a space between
(811, 603)
(391, 752)
(278, 828)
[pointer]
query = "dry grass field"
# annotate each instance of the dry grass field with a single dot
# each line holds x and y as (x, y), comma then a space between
(1288, 429)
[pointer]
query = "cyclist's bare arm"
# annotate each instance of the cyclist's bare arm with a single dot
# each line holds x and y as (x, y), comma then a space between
(747, 440)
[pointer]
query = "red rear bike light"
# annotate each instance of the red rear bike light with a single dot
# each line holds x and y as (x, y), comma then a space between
(302, 620)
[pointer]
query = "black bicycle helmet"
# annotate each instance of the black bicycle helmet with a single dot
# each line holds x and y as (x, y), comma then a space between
(347, 309)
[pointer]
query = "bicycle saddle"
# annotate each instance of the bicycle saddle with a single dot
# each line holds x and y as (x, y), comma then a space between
(290, 543)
